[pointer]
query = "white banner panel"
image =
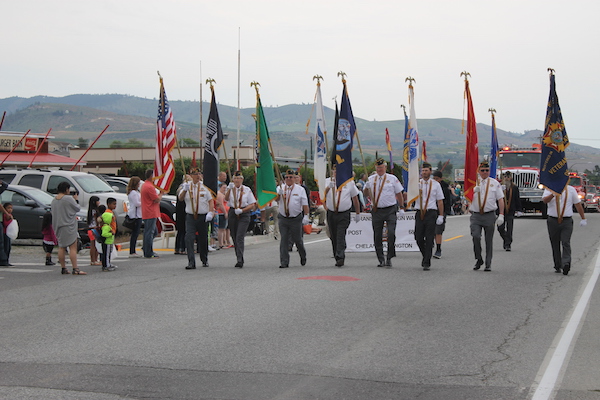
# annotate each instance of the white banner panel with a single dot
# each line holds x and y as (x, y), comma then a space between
(359, 237)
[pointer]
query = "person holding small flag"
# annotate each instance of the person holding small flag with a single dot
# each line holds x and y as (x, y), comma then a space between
(293, 213)
(430, 213)
(560, 225)
(385, 191)
(487, 196)
(242, 202)
(338, 203)
(199, 208)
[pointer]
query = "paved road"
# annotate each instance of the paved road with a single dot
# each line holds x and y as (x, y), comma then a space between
(152, 330)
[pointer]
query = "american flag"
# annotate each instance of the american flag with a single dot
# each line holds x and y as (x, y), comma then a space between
(164, 168)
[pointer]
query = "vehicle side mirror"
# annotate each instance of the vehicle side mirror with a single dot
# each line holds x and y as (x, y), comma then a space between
(30, 203)
(115, 188)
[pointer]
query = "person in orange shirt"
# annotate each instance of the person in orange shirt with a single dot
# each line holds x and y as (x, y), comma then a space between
(150, 213)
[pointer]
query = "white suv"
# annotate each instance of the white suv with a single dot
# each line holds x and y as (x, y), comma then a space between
(87, 185)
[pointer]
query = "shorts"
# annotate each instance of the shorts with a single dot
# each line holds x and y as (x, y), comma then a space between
(48, 247)
(222, 224)
(439, 229)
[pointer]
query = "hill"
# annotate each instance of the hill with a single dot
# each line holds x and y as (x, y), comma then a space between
(85, 116)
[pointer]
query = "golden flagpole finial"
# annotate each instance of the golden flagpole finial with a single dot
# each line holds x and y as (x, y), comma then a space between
(410, 80)
(466, 75)
(343, 75)
(318, 78)
(211, 82)
(403, 107)
(256, 85)
(551, 70)
(492, 110)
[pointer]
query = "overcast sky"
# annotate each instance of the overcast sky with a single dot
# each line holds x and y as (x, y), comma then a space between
(62, 47)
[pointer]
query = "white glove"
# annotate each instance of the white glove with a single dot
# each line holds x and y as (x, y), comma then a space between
(305, 220)
(356, 218)
(583, 222)
(500, 220)
(185, 186)
(230, 186)
(279, 190)
(332, 184)
(476, 189)
(209, 216)
(401, 211)
(237, 211)
(518, 214)
(439, 220)
(503, 187)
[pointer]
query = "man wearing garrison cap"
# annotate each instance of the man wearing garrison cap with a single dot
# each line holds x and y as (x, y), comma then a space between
(512, 208)
(386, 195)
(487, 198)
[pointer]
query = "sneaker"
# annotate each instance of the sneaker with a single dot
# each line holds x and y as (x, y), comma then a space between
(134, 255)
(438, 254)
(114, 266)
(106, 269)
(210, 248)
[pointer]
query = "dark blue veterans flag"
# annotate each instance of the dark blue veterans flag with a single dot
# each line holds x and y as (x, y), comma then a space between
(344, 137)
(554, 173)
(405, 151)
(494, 151)
(212, 144)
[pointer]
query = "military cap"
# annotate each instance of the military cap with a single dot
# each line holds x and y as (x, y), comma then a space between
(380, 161)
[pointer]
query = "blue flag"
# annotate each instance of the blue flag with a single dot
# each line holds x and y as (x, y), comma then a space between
(405, 152)
(495, 150)
(343, 142)
(554, 174)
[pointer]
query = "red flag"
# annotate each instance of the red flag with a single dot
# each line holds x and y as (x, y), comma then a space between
(164, 167)
(472, 151)
(424, 151)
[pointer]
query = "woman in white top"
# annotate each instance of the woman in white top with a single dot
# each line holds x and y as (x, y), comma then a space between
(134, 212)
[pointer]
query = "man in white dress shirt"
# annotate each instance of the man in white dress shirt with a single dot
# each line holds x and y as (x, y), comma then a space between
(242, 202)
(486, 196)
(560, 225)
(199, 207)
(430, 212)
(293, 213)
(386, 195)
(338, 204)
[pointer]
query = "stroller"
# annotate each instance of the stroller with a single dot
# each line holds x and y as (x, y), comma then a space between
(256, 226)
(457, 206)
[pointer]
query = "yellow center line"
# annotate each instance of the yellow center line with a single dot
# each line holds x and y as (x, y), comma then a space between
(452, 238)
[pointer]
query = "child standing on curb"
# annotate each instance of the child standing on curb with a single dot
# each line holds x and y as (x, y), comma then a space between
(50, 239)
(109, 229)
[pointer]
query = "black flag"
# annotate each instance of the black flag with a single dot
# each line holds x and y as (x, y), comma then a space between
(212, 144)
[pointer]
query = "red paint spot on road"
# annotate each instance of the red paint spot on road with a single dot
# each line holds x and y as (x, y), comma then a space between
(332, 278)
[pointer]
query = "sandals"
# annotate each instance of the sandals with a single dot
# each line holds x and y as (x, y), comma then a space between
(64, 271)
(95, 263)
(76, 271)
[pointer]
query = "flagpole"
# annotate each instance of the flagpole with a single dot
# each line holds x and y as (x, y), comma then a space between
(2, 121)
(15, 146)
(211, 83)
(89, 148)
(343, 75)
(201, 136)
(237, 161)
(318, 78)
(39, 148)
(256, 85)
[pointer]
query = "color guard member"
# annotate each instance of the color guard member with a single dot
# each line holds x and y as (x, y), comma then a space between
(242, 202)
(430, 212)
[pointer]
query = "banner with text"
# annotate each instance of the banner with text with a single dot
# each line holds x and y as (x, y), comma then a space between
(359, 236)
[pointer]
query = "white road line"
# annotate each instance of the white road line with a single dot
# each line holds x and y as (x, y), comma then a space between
(30, 271)
(549, 380)
(316, 241)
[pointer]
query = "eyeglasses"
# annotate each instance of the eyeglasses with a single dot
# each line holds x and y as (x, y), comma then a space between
(484, 170)
(289, 177)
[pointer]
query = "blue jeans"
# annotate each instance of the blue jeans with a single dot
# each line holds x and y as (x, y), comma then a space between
(3, 255)
(149, 233)
(135, 232)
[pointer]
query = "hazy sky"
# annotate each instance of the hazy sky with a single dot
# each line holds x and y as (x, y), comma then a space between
(61, 47)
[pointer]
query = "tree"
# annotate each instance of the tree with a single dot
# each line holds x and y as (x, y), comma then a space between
(187, 142)
(116, 144)
(82, 143)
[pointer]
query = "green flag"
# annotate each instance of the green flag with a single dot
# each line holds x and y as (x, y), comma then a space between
(266, 188)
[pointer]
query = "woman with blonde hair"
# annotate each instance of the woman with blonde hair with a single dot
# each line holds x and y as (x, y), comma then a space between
(134, 212)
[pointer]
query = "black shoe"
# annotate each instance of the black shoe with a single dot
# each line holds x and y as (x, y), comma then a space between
(478, 265)
(438, 254)
(487, 269)
(558, 270)
(239, 265)
(190, 267)
(426, 267)
(339, 262)
(205, 265)
(566, 269)
(49, 262)
(388, 264)
(507, 248)
(303, 261)
(283, 266)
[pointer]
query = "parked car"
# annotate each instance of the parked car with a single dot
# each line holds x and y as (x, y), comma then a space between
(30, 205)
(86, 184)
(119, 184)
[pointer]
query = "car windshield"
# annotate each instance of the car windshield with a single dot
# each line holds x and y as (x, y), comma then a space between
(92, 184)
(590, 189)
(38, 195)
(530, 160)
(575, 181)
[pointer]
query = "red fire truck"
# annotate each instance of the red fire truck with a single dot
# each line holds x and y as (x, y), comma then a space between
(579, 182)
(524, 164)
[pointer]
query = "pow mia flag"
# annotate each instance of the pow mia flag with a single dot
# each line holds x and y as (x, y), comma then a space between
(212, 144)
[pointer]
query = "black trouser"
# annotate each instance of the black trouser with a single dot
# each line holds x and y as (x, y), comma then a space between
(199, 226)
(506, 230)
(560, 234)
(486, 222)
(378, 218)
(290, 228)
(105, 256)
(135, 232)
(425, 234)
(338, 225)
(238, 225)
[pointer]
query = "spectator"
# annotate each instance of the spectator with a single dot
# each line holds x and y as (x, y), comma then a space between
(150, 198)
(134, 212)
(64, 222)
(92, 215)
